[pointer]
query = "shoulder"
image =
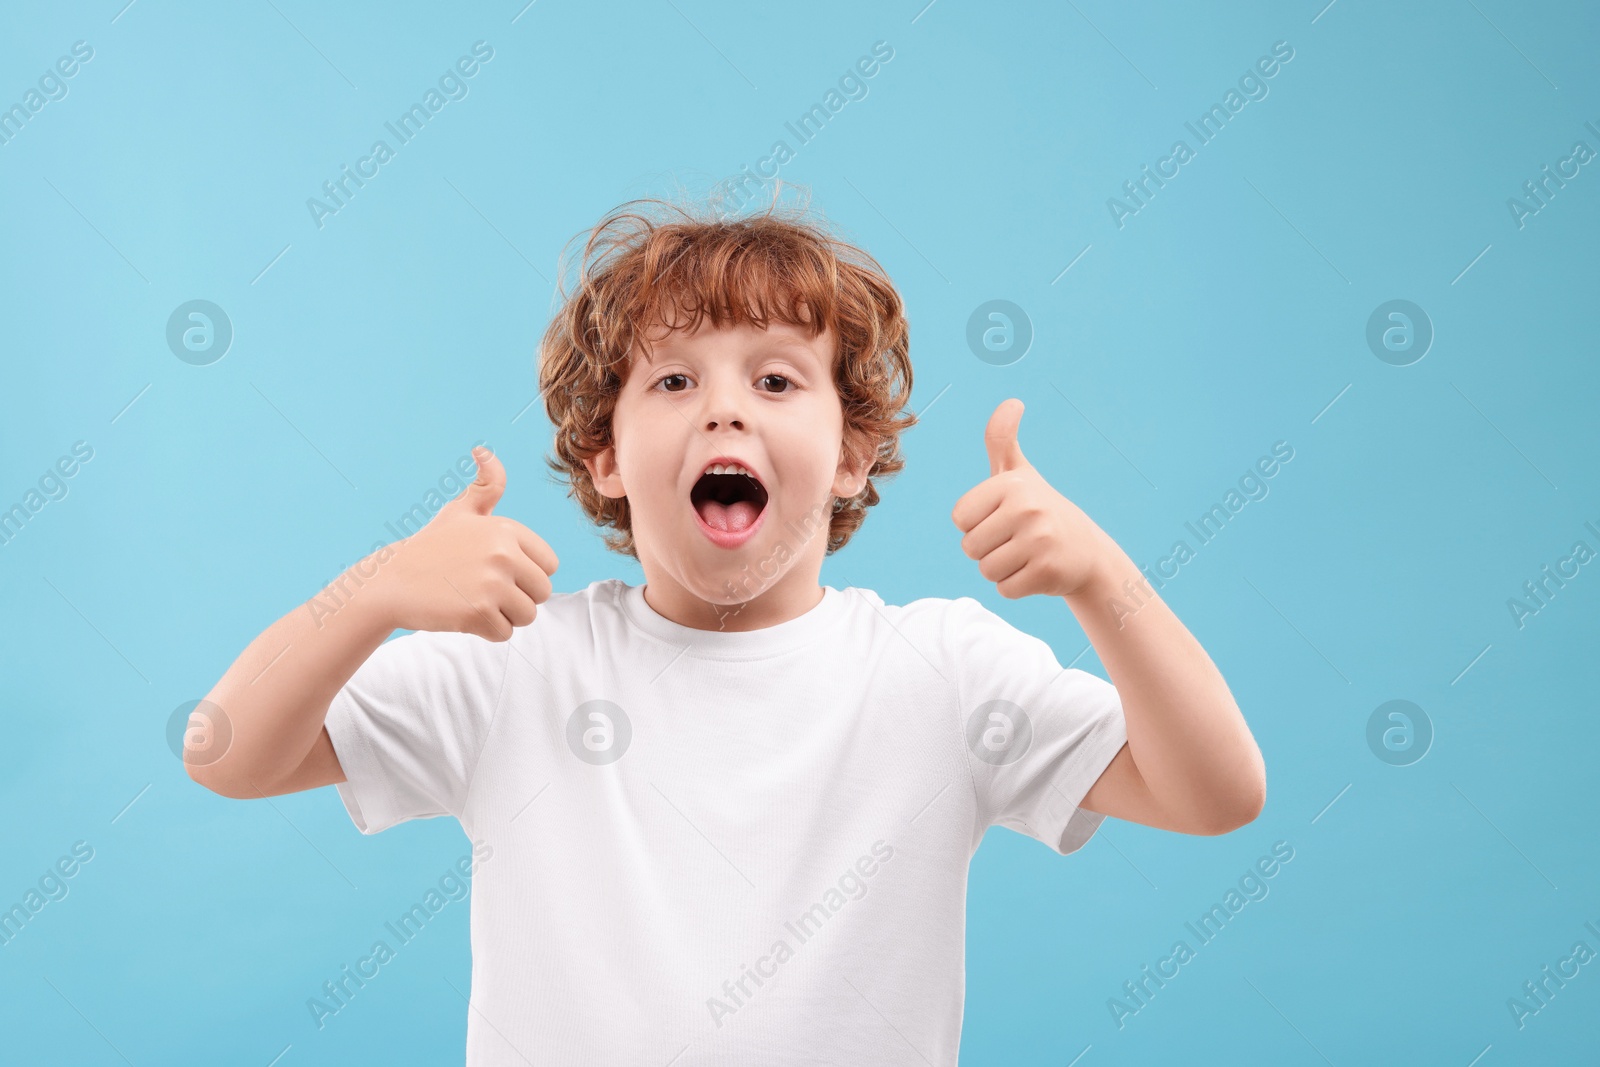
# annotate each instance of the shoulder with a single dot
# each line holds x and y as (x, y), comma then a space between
(925, 611)
(601, 596)
(946, 623)
(959, 632)
(574, 616)
(560, 612)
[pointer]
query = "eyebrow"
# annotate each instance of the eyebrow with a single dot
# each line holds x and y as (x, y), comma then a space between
(769, 342)
(789, 341)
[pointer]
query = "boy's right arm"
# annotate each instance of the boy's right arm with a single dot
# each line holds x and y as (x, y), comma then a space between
(466, 571)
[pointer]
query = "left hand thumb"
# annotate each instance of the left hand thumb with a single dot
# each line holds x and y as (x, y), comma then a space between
(1000, 438)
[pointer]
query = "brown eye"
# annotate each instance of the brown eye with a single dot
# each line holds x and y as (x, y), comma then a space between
(672, 377)
(778, 377)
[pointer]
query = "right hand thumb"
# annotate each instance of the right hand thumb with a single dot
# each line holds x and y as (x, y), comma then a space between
(484, 493)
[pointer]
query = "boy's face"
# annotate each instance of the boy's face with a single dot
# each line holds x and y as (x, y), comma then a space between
(764, 399)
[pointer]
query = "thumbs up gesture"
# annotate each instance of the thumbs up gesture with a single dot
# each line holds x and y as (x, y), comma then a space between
(469, 570)
(1026, 537)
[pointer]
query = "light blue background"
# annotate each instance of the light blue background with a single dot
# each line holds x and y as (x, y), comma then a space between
(1228, 314)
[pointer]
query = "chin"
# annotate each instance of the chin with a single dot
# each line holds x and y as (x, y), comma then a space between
(732, 583)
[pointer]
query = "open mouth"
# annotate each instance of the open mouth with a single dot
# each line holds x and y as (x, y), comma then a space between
(730, 502)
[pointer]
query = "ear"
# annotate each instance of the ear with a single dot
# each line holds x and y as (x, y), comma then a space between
(603, 470)
(851, 476)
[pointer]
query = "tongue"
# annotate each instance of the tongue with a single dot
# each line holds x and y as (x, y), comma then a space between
(729, 518)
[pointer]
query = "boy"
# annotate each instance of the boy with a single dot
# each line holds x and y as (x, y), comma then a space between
(726, 817)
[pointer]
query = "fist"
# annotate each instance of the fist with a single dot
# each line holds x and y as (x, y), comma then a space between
(1026, 537)
(469, 570)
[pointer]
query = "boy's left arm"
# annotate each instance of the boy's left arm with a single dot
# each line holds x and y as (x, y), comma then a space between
(1190, 764)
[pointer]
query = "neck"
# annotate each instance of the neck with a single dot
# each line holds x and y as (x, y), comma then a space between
(794, 593)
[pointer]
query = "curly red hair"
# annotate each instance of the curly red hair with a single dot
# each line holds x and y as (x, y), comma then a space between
(649, 259)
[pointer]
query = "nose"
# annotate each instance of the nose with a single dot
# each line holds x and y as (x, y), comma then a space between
(723, 404)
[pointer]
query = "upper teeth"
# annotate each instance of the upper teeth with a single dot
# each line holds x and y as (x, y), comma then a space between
(727, 468)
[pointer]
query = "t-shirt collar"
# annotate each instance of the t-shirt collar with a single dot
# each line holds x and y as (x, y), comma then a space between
(723, 644)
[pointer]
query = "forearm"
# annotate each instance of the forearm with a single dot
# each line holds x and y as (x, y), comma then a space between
(275, 696)
(1186, 734)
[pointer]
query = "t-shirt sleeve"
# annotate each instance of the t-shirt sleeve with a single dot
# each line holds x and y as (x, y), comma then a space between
(410, 724)
(1037, 735)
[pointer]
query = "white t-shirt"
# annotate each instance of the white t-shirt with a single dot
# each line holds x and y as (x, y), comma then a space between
(706, 847)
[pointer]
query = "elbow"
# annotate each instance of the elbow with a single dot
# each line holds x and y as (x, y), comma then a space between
(196, 773)
(201, 777)
(206, 776)
(1240, 811)
(1237, 819)
(207, 740)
